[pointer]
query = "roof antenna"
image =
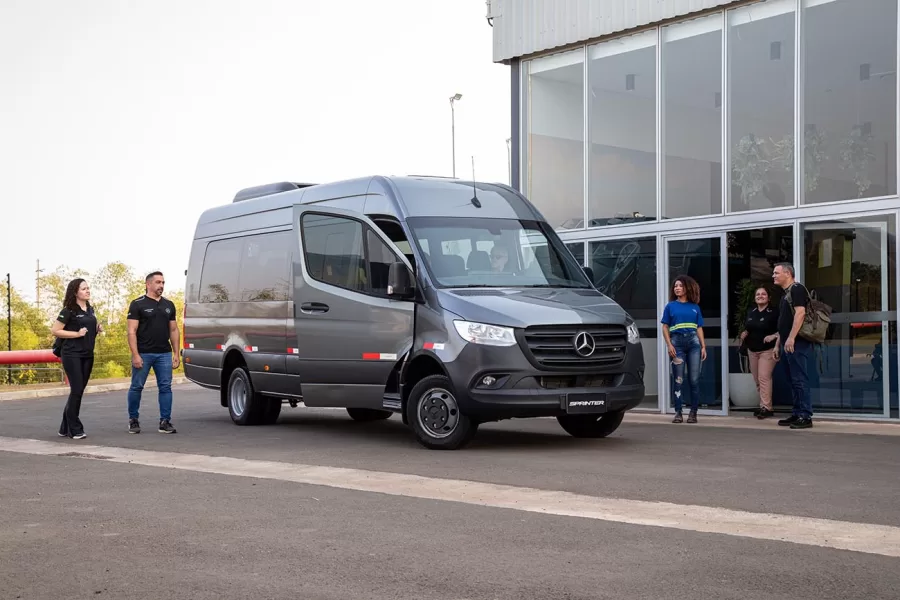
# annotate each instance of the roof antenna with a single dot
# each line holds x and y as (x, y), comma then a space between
(475, 201)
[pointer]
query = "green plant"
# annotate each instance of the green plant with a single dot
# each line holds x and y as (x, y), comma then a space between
(813, 155)
(750, 165)
(745, 293)
(856, 154)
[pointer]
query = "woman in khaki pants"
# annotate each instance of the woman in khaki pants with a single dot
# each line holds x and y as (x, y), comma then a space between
(760, 337)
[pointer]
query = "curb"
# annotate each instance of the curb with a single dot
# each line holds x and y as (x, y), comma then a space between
(830, 424)
(90, 389)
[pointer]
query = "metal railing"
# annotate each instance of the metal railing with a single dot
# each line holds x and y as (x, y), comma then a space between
(12, 361)
(35, 367)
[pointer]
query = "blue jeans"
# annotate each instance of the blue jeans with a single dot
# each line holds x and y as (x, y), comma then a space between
(687, 351)
(162, 368)
(797, 365)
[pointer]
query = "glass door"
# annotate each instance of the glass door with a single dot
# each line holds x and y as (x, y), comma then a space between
(699, 257)
(851, 266)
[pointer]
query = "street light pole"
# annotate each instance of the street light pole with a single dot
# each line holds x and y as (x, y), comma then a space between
(453, 98)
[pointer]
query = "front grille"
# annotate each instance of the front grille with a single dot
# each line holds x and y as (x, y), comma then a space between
(553, 346)
(575, 381)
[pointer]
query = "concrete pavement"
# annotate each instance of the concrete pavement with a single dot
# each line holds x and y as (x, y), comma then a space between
(200, 534)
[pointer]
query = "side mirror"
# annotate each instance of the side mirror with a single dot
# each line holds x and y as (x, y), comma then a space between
(400, 283)
(590, 274)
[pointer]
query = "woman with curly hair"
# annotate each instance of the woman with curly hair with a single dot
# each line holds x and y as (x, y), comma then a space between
(682, 325)
(77, 327)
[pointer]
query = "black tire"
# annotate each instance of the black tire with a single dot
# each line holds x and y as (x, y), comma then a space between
(591, 426)
(431, 404)
(368, 414)
(271, 412)
(245, 406)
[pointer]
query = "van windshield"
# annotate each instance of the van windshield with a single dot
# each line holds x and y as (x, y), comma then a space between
(494, 253)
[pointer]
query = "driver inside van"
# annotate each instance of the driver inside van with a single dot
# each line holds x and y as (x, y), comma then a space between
(499, 258)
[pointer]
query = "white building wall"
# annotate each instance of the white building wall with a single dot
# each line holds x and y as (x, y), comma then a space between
(525, 27)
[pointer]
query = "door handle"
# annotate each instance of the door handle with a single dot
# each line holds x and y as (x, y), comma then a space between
(313, 307)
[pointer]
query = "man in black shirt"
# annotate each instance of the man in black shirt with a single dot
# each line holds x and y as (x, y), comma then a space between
(795, 350)
(154, 341)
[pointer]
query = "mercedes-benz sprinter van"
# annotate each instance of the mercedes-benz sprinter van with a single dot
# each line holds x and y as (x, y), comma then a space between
(452, 303)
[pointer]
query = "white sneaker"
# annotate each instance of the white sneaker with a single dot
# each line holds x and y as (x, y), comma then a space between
(79, 436)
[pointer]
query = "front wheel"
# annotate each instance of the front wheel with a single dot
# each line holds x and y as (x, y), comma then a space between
(591, 426)
(434, 415)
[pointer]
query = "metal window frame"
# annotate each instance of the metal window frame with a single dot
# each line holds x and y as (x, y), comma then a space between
(662, 298)
(800, 266)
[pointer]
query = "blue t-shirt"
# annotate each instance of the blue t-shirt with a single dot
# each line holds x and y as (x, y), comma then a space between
(682, 316)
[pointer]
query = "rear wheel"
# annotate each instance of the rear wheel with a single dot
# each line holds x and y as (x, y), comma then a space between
(244, 404)
(368, 414)
(591, 426)
(271, 412)
(434, 415)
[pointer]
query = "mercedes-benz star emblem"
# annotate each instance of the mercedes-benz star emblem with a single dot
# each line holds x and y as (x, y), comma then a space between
(584, 344)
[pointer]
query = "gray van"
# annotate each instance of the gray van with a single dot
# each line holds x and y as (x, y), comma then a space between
(452, 303)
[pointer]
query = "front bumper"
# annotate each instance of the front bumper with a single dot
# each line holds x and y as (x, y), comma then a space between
(521, 390)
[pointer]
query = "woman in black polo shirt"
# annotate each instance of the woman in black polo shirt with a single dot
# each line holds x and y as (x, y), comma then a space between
(760, 337)
(77, 327)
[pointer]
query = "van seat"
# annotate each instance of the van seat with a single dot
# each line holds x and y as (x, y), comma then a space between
(448, 265)
(479, 260)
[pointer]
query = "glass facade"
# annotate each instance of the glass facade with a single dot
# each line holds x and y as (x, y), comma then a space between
(692, 115)
(671, 151)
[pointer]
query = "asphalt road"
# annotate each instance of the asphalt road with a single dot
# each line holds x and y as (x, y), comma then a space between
(77, 527)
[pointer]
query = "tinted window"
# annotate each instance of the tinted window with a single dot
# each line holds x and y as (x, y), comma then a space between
(380, 259)
(265, 267)
(219, 279)
(333, 247)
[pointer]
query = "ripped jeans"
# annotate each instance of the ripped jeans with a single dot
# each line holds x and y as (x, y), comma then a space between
(687, 357)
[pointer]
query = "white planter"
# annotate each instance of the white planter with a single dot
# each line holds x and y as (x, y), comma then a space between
(742, 390)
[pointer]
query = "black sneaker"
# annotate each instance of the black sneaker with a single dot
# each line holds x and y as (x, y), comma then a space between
(789, 421)
(765, 414)
(802, 424)
(166, 427)
(134, 426)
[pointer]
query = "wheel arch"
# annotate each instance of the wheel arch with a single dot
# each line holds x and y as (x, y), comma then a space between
(421, 366)
(233, 359)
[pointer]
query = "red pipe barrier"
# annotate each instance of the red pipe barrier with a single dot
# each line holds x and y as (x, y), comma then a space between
(27, 357)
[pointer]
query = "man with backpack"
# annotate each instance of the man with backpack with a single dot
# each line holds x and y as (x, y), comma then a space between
(795, 347)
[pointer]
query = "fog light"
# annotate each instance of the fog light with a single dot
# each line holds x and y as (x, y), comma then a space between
(488, 381)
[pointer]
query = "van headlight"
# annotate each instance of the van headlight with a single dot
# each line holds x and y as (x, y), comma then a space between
(488, 335)
(634, 336)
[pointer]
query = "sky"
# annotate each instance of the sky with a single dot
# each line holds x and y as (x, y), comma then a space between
(121, 122)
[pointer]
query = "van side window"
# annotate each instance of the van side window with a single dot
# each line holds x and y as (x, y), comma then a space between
(380, 259)
(265, 267)
(395, 233)
(219, 278)
(333, 249)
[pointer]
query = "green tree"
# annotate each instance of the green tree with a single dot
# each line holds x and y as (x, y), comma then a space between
(30, 331)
